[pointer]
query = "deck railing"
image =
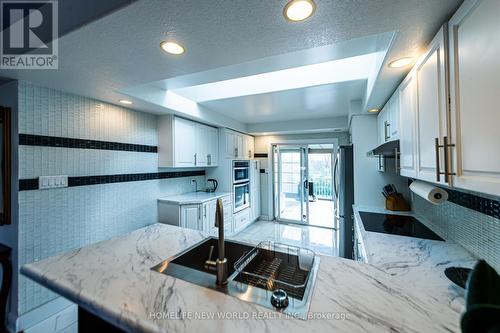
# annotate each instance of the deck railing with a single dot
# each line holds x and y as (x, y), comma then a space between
(323, 187)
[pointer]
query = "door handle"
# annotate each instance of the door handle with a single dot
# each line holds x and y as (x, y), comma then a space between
(335, 177)
(195, 159)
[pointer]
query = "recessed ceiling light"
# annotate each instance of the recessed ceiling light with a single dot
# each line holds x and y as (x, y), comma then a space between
(299, 10)
(172, 47)
(373, 110)
(125, 101)
(403, 62)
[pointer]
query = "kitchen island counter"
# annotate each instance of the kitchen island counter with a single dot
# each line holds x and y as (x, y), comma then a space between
(113, 280)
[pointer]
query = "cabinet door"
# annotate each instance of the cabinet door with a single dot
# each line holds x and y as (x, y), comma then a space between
(407, 140)
(394, 116)
(380, 128)
(202, 144)
(475, 98)
(432, 108)
(185, 142)
(231, 145)
(255, 190)
(240, 146)
(250, 146)
(213, 146)
(209, 217)
(190, 217)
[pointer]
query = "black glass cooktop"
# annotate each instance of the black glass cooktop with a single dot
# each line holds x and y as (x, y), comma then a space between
(397, 225)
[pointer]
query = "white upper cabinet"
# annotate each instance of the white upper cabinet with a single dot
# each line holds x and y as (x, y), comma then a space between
(388, 120)
(184, 143)
(394, 116)
(407, 132)
(474, 34)
(213, 144)
(202, 145)
(236, 145)
(432, 114)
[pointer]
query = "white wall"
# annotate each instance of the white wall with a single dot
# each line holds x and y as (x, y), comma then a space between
(57, 220)
(8, 233)
(368, 182)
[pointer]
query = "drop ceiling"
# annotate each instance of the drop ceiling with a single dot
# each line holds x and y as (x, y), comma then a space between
(118, 56)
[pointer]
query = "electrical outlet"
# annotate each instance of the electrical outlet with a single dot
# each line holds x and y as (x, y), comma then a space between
(47, 182)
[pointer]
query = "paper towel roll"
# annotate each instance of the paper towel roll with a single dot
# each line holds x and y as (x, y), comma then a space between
(434, 195)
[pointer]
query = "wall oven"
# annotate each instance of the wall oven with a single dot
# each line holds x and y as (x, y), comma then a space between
(241, 171)
(241, 185)
(241, 193)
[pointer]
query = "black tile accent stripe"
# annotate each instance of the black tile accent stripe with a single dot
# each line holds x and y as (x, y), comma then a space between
(486, 206)
(32, 184)
(54, 141)
(260, 155)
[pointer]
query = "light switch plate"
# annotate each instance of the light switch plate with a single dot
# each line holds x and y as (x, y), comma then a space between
(47, 182)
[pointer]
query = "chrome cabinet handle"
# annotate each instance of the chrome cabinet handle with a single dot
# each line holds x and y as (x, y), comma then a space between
(438, 167)
(386, 126)
(195, 159)
(235, 152)
(249, 154)
(446, 147)
(209, 159)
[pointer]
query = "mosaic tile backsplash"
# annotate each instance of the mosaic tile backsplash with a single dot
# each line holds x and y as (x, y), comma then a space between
(479, 233)
(57, 220)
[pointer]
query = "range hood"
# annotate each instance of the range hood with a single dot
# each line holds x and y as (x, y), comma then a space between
(387, 149)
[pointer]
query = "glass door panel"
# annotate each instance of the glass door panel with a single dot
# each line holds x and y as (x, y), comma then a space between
(292, 183)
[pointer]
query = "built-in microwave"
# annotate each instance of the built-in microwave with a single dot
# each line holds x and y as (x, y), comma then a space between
(241, 193)
(241, 171)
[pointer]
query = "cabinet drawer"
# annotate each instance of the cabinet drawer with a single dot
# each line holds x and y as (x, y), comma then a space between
(241, 219)
(227, 200)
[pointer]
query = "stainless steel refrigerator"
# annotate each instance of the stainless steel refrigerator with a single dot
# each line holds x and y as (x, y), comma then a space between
(343, 175)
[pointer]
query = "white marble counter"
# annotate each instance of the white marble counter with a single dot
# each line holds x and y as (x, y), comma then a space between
(417, 263)
(193, 197)
(113, 280)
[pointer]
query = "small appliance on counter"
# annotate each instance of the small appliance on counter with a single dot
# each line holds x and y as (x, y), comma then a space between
(212, 185)
(393, 200)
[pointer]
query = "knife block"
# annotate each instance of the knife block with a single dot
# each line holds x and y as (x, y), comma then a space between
(396, 202)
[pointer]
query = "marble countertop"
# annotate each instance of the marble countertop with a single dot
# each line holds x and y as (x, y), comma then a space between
(193, 197)
(417, 263)
(112, 279)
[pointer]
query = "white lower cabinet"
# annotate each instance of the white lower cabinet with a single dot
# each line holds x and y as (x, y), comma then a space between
(191, 217)
(65, 321)
(198, 216)
(241, 220)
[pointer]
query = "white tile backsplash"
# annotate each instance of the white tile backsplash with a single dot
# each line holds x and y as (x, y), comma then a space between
(477, 232)
(57, 220)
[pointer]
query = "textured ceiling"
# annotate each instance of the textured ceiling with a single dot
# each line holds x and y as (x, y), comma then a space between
(122, 50)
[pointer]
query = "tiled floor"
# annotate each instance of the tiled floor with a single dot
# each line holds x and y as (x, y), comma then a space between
(321, 212)
(320, 240)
